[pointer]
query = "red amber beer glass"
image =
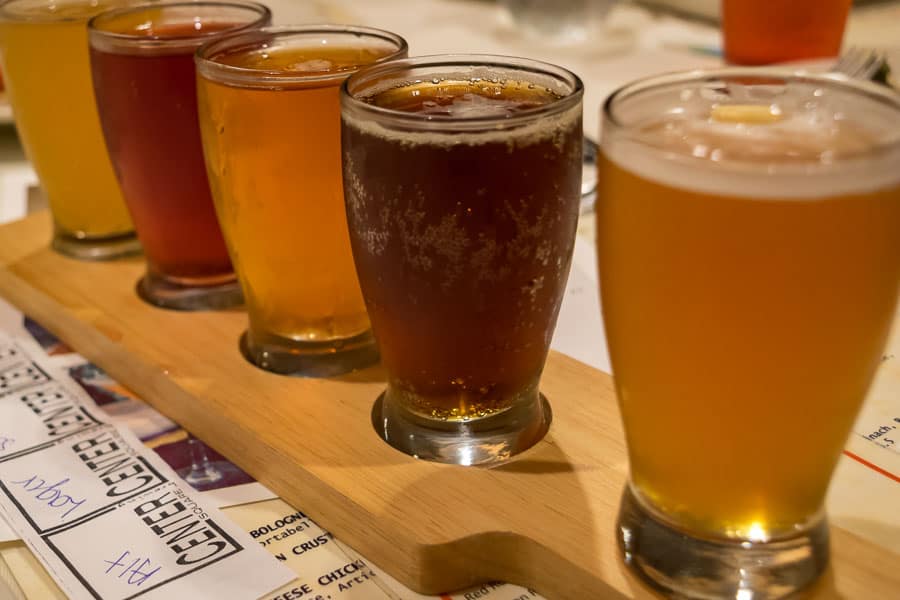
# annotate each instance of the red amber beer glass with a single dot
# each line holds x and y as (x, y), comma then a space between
(749, 254)
(270, 106)
(462, 182)
(142, 60)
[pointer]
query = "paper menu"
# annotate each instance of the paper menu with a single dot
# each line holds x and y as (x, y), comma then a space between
(6, 532)
(104, 514)
(326, 568)
(488, 591)
(865, 491)
(325, 571)
(330, 570)
(216, 479)
(876, 433)
(579, 329)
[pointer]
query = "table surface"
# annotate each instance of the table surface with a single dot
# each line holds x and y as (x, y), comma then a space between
(545, 520)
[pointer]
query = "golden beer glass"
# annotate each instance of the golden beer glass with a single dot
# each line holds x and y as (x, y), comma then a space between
(749, 255)
(48, 78)
(270, 121)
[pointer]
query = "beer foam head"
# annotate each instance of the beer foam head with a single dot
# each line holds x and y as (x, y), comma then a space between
(802, 139)
(307, 54)
(451, 109)
(293, 57)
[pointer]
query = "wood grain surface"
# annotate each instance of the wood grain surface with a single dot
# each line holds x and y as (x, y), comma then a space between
(545, 519)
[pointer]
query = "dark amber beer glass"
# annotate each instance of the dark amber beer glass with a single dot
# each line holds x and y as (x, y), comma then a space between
(462, 184)
(142, 60)
(749, 252)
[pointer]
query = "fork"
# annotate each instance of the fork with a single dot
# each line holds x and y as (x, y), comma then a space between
(859, 63)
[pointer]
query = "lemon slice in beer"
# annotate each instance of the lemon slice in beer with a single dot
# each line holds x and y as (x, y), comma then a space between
(751, 114)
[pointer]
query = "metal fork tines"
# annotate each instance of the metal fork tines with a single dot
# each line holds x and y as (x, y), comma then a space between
(859, 63)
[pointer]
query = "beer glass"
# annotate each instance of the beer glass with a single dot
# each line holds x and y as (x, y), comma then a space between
(270, 116)
(749, 254)
(142, 59)
(48, 79)
(758, 33)
(462, 180)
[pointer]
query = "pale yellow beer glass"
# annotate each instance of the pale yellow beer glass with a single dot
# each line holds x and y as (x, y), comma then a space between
(749, 253)
(47, 72)
(271, 127)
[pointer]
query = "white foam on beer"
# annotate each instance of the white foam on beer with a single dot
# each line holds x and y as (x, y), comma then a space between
(310, 66)
(471, 105)
(553, 126)
(809, 152)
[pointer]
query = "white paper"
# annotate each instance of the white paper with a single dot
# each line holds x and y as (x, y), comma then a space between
(106, 516)
(122, 408)
(488, 591)
(326, 571)
(7, 534)
(331, 570)
(579, 329)
(864, 490)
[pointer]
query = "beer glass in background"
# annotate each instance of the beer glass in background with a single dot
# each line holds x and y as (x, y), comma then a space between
(562, 22)
(270, 115)
(142, 60)
(48, 79)
(759, 33)
(749, 254)
(462, 180)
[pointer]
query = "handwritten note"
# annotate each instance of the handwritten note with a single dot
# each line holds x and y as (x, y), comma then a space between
(51, 494)
(69, 480)
(138, 570)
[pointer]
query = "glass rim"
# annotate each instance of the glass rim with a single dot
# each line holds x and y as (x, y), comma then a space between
(212, 70)
(445, 122)
(49, 17)
(131, 40)
(834, 80)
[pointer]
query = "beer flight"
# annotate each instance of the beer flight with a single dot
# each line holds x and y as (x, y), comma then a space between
(363, 205)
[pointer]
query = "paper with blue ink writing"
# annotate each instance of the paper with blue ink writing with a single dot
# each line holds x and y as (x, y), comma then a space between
(104, 514)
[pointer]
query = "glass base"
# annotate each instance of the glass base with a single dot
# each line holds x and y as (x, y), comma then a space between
(311, 359)
(109, 248)
(483, 442)
(163, 293)
(688, 567)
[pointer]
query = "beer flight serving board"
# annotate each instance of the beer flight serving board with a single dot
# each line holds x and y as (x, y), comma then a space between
(545, 520)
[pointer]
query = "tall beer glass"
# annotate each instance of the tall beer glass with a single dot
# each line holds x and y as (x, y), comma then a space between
(270, 115)
(462, 180)
(142, 59)
(749, 253)
(48, 79)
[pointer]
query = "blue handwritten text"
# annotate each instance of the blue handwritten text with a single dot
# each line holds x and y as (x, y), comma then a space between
(52, 495)
(137, 575)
